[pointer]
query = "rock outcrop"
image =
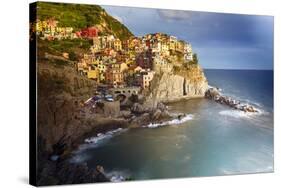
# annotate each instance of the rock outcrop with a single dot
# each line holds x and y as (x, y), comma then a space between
(62, 172)
(183, 82)
(141, 114)
(214, 94)
(112, 109)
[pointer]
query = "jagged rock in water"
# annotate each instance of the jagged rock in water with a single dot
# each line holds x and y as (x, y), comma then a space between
(138, 108)
(156, 115)
(161, 106)
(126, 114)
(142, 119)
(99, 175)
(214, 94)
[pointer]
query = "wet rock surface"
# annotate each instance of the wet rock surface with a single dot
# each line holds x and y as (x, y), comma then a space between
(55, 169)
(146, 115)
(214, 94)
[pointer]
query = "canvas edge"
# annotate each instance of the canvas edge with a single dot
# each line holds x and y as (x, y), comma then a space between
(32, 100)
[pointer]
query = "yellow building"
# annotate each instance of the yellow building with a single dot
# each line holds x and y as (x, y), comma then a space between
(69, 29)
(165, 48)
(129, 61)
(132, 54)
(89, 59)
(123, 67)
(180, 46)
(96, 62)
(93, 74)
(59, 29)
(117, 45)
(102, 69)
(172, 46)
(172, 43)
(41, 25)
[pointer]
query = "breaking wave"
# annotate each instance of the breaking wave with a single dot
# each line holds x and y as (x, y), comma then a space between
(104, 136)
(79, 158)
(219, 89)
(118, 176)
(171, 122)
(242, 102)
(93, 142)
(240, 114)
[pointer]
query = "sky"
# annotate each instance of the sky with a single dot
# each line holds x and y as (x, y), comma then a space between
(221, 41)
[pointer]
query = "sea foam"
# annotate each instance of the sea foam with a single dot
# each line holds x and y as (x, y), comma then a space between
(240, 114)
(118, 175)
(171, 122)
(93, 142)
(104, 136)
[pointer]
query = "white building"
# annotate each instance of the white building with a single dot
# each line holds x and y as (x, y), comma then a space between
(188, 55)
(147, 76)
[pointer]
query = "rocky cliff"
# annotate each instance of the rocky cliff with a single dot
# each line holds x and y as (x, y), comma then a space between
(182, 83)
(63, 123)
(58, 89)
(61, 115)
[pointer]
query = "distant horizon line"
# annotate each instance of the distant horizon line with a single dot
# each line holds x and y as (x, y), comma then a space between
(238, 69)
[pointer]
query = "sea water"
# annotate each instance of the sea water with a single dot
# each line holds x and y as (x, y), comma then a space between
(211, 140)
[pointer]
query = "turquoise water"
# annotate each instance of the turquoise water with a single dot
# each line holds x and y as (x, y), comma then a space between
(215, 141)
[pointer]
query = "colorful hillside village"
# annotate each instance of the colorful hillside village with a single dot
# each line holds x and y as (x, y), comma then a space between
(49, 29)
(132, 62)
(116, 63)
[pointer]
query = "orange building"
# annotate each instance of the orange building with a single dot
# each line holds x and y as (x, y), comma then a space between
(114, 75)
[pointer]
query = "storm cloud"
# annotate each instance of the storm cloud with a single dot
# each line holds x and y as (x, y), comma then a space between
(225, 41)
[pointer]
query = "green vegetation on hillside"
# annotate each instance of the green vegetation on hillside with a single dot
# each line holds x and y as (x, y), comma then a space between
(80, 16)
(195, 59)
(74, 47)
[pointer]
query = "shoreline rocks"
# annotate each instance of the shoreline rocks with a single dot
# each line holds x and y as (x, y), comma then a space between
(214, 94)
(142, 114)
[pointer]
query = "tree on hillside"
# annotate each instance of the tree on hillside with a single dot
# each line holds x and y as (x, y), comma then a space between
(195, 59)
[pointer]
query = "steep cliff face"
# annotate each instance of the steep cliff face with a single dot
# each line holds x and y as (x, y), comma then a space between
(60, 90)
(59, 123)
(61, 118)
(183, 82)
